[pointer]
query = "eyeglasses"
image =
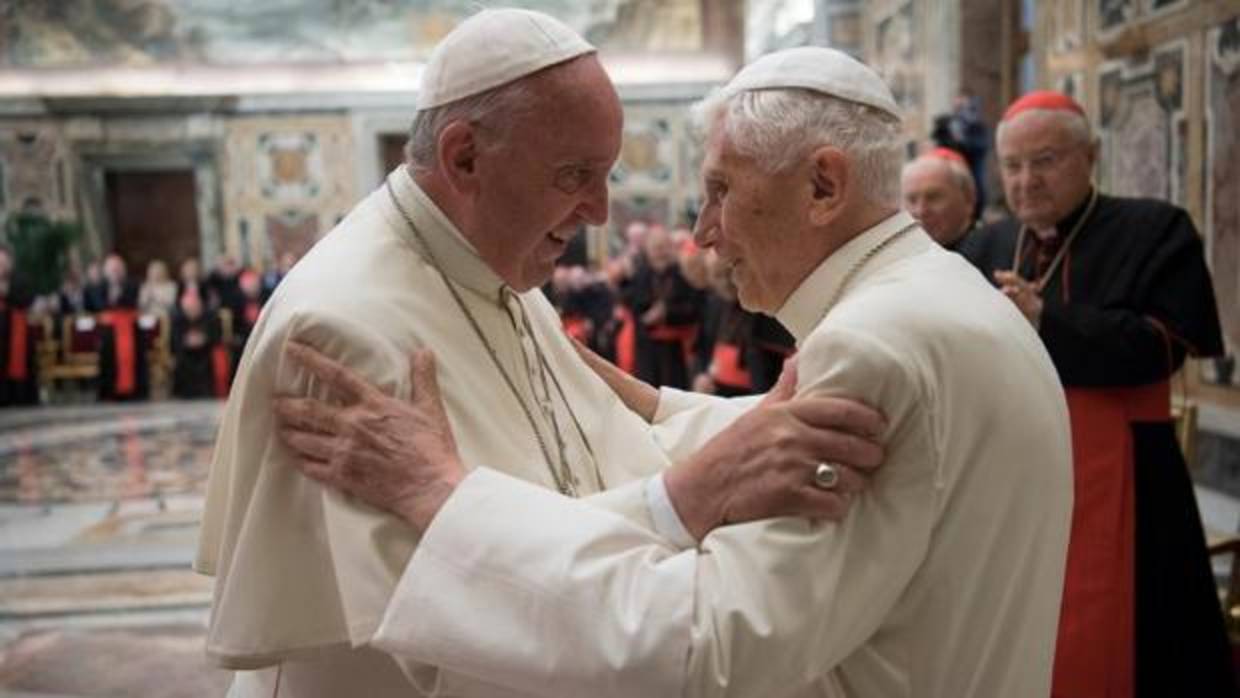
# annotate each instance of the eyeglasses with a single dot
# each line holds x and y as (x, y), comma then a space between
(571, 179)
(1038, 164)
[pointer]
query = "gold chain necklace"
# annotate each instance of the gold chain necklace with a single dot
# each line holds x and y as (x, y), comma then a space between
(861, 262)
(565, 480)
(1017, 254)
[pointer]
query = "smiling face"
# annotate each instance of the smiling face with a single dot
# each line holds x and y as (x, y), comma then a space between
(756, 222)
(537, 188)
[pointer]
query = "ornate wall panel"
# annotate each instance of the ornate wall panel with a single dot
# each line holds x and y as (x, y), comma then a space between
(284, 183)
(1222, 188)
(34, 168)
(1141, 122)
(655, 176)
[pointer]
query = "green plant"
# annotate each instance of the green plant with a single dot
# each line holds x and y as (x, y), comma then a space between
(40, 250)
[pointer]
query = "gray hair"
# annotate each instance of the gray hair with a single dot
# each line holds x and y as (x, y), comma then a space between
(494, 111)
(1076, 124)
(959, 171)
(776, 128)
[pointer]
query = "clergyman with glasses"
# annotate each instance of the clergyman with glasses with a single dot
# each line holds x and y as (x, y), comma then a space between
(1119, 292)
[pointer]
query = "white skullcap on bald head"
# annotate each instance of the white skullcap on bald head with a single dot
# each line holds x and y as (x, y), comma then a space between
(494, 48)
(820, 69)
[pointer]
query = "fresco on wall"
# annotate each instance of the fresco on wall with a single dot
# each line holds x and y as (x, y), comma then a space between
(1141, 117)
(1223, 189)
(78, 33)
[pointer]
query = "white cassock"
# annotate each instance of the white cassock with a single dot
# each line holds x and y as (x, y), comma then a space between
(943, 581)
(304, 575)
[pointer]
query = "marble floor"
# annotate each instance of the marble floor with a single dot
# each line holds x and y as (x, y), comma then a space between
(99, 516)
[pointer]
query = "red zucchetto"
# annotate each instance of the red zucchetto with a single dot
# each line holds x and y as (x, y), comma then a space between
(1043, 99)
(947, 154)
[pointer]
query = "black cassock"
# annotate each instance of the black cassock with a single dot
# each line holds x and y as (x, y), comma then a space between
(124, 373)
(663, 349)
(19, 383)
(193, 375)
(1131, 297)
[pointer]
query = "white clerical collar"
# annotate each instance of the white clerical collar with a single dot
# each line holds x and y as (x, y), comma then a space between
(804, 309)
(456, 257)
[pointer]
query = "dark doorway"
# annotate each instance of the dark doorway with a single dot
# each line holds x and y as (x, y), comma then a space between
(391, 152)
(154, 216)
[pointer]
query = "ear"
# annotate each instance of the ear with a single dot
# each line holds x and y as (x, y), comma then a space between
(457, 153)
(1095, 147)
(831, 181)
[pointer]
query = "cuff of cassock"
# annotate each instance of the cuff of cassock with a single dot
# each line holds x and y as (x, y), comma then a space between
(667, 522)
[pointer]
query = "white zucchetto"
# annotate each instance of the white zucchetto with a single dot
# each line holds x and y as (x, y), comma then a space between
(494, 48)
(820, 69)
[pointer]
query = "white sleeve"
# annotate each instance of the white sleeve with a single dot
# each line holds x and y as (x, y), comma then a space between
(522, 587)
(684, 421)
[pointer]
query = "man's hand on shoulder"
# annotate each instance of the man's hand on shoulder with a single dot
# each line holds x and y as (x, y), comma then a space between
(396, 455)
(770, 462)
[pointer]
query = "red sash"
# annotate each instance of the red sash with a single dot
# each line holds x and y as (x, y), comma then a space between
(221, 370)
(626, 341)
(1094, 653)
(726, 368)
(251, 312)
(685, 334)
(18, 330)
(577, 327)
(124, 332)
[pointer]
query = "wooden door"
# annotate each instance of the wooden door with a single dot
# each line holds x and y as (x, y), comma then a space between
(154, 216)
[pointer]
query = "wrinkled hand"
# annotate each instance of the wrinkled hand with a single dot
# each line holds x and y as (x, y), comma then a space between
(397, 455)
(762, 465)
(1025, 294)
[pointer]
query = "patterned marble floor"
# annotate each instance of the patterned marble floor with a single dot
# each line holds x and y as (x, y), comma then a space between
(99, 515)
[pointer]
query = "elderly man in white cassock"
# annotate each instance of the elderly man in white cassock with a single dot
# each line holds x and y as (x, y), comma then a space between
(943, 580)
(517, 129)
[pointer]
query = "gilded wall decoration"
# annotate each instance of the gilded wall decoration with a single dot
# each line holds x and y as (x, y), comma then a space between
(647, 155)
(654, 179)
(290, 165)
(278, 186)
(1222, 188)
(1141, 117)
(32, 155)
